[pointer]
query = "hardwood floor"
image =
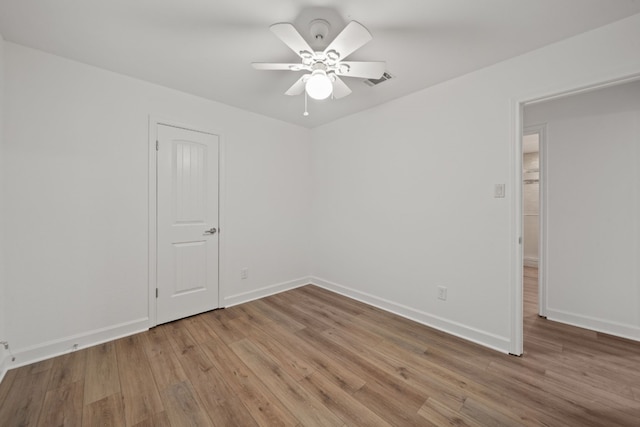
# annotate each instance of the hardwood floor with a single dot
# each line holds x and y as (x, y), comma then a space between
(310, 357)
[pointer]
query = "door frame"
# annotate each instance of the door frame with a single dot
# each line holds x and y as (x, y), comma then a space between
(154, 121)
(516, 346)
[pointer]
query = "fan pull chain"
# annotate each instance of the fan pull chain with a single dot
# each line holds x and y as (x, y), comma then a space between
(306, 113)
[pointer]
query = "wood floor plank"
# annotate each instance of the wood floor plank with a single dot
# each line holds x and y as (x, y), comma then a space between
(393, 400)
(370, 370)
(160, 419)
(408, 367)
(68, 369)
(163, 361)
(139, 392)
(63, 406)
(616, 407)
(224, 326)
(289, 359)
(283, 304)
(309, 410)
(156, 340)
(276, 316)
(261, 403)
(546, 405)
(183, 406)
(341, 403)
(101, 376)
(374, 396)
(481, 386)
(387, 333)
(223, 406)
(487, 415)
(328, 314)
(590, 374)
(336, 371)
(220, 403)
(23, 404)
(7, 384)
(439, 414)
(34, 368)
(107, 411)
(201, 330)
(352, 307)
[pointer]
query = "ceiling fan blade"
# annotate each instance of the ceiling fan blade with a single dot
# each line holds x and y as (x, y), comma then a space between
(364, 70)
(291, 37)
(353, 37)
(297, 88)
(340, 89)
(277, 67)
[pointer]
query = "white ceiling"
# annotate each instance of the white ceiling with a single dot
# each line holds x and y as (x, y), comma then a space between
(205, 47)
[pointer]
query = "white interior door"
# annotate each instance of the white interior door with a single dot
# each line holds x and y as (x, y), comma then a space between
(187, 221)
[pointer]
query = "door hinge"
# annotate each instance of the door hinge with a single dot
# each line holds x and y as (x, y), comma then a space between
(157, 145)
(520, 240)
(156, 292)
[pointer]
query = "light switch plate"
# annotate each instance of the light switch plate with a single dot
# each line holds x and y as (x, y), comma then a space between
(499, 191)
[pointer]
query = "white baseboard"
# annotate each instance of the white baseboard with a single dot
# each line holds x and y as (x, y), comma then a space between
(530, 262)
(612, 328)
(483, 338)
(264, 292)
(61, 346)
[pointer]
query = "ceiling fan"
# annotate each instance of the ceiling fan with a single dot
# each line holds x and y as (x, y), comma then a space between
(326, 67)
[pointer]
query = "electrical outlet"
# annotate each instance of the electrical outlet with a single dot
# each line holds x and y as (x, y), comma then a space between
(244, 273)
(442, 293)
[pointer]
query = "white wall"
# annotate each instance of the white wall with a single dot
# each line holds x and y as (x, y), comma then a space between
(593, 208)
(76, 200)
(403, 193)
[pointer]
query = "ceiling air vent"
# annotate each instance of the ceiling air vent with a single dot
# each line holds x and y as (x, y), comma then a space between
(373, 82)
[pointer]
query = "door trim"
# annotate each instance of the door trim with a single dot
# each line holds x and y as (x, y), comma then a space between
(154, 121)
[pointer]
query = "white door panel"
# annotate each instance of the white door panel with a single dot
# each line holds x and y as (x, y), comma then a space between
(187, 267)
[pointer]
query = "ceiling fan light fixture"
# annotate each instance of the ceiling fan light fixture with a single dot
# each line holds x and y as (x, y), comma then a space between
(319, 85)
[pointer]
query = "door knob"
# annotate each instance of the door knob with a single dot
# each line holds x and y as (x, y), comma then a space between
(212, 230)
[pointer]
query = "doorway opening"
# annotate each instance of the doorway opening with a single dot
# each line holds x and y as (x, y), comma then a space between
(533, 237)
(587, 192)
